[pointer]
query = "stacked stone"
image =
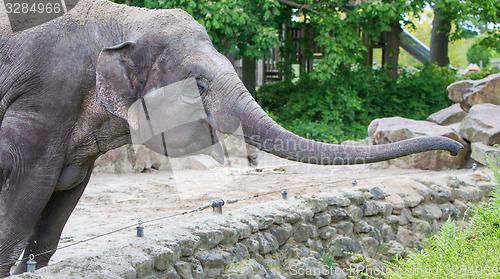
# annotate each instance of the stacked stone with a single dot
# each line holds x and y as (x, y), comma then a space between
(325, 235)
(474, 121)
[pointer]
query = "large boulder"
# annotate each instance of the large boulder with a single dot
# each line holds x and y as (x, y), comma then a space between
(481, 150)
(388, 130)
(482, 124)
(448, 116)
(472, 92)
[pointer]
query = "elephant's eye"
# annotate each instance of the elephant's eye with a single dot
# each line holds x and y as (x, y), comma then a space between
(202, 85)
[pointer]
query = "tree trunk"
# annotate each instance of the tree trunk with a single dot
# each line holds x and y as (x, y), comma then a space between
(390, 52)
(440, 33)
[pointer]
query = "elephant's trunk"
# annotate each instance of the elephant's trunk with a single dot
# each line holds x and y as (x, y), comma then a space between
(264, 133)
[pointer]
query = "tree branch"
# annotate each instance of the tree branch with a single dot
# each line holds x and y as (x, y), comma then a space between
(300, 6)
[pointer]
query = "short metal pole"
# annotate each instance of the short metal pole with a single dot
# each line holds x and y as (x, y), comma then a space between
(284, 194)
(217, 206)
(31, 264)
(140, 229)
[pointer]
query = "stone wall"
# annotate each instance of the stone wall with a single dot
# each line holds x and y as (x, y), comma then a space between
(302, 237)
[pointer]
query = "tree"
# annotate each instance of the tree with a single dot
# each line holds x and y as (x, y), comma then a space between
(454, 19)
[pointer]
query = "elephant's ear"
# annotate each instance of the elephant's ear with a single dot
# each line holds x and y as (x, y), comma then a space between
(120, 76)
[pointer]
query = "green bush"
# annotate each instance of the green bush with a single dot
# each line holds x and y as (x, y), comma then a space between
(342, 107)
(471, 251)
(477, 53)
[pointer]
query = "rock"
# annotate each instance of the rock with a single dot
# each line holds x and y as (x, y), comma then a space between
(268, 243)
(307, 215)
(338, 201)
(355, 213)
(114, 161)
(183, 269)
(447, 116)
(189, 244)
(362, 227)
(413, 200)
(323, 219)
(293, 218)
(377, 193)
(387, 233)
(197, 269)
(317, 205)
(424, 227)
(404, 237)
(369, 245)
(395, 248)
(394, 129)
(393, 220)
(327, 233)
(209, 238)
(354, 196)
(371, 208)
(468, 194)
(480, 149)
(213, 264)
(385, 208)
(419, 212)
(343, 244)
(264, 222)
(433, 212)
(163, 258)
(397, 203)
(230, 236)
(282, 233)
(482, 124)
(441, 194)
(344, 228)
(340, 214)
(469, 93)
(302, 232)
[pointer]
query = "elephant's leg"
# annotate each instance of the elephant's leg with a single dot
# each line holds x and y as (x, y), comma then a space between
(47, 231)
(19, 211)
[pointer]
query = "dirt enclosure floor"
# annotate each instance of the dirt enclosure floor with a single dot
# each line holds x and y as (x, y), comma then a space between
(113, 201)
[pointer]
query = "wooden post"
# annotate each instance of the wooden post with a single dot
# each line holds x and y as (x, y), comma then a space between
(249, 74)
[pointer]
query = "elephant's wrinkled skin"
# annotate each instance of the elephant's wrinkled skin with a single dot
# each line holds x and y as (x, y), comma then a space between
(66, 87)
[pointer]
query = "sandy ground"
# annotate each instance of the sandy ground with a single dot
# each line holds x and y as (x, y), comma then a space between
(113, 201)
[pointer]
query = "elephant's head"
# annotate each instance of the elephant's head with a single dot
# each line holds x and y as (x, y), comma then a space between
(175, 90)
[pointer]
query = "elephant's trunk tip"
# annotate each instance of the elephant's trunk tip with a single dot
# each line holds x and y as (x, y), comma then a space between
(455, 148)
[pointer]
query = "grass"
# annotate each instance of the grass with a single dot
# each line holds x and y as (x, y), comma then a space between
(471, 251)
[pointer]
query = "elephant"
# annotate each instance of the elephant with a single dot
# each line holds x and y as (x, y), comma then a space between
(76, 87)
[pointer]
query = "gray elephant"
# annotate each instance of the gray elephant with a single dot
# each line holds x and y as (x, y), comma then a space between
(67, 88)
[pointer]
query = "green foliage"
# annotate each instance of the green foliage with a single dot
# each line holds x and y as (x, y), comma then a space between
(470, 251)
(246, 28)
(477, 53)
(341, 107)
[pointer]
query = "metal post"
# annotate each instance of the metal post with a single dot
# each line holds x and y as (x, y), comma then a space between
(284, 194)
(140, 229)
(217, 206)
(31, 264)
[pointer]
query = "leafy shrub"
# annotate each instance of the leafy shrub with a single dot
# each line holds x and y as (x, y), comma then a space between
(477, 53)
(342, 107)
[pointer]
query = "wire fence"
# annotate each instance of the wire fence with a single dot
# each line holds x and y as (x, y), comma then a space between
(216, 206)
